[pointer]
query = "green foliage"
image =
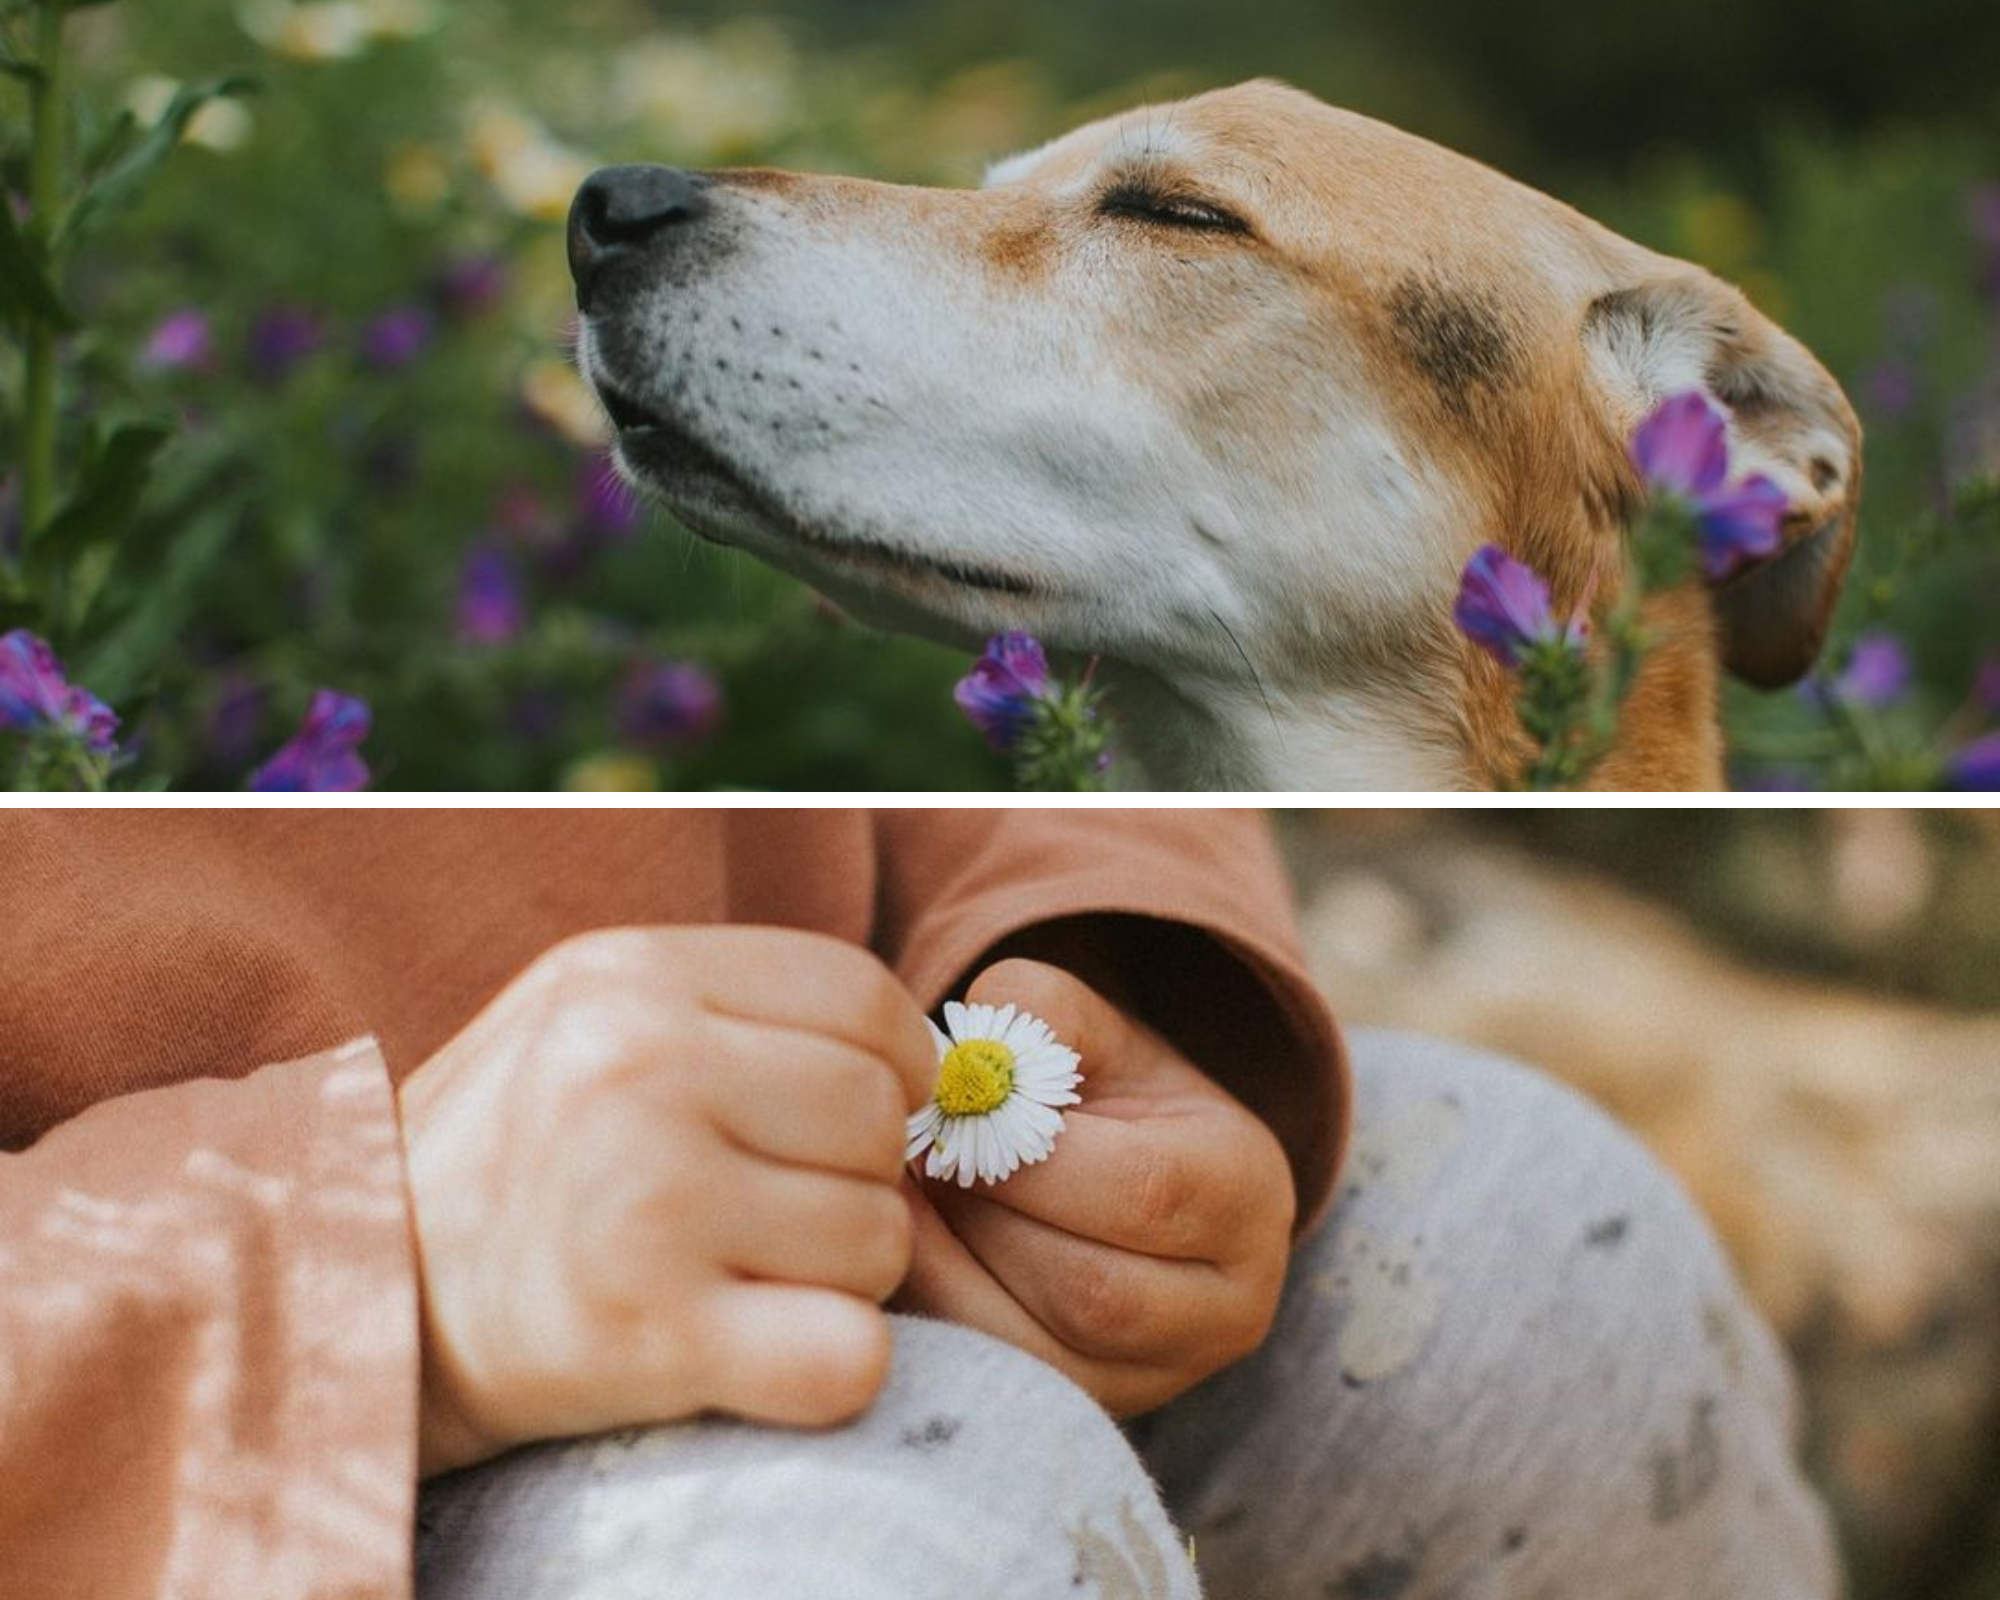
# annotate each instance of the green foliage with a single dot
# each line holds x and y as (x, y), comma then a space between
(1066, 749)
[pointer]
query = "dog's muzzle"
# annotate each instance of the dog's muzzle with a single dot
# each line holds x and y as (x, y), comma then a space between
(621, 210)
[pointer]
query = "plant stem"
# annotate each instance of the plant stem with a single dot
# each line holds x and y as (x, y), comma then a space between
(38, 422)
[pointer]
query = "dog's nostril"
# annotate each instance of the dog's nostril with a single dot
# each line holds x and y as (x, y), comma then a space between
(619, 207)
(625, 205)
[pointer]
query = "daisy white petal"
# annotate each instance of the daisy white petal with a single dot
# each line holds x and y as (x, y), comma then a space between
(922, 1129)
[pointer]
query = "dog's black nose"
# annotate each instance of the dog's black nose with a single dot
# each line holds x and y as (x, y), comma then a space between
(621, 208)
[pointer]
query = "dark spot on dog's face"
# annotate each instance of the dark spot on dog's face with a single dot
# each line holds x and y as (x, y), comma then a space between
(1457, 339)
(1018, 250)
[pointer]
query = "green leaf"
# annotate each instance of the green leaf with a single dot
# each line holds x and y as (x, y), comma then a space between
(131, 653)
(124, 178)
(26, 290)
(113, 479)
(105, 145)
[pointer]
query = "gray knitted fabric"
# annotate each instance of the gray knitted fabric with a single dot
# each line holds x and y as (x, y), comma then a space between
(1512, 1365)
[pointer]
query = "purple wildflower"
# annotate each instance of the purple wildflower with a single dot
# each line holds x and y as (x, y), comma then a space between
(1877, 672)
(490, 607)
(668, 705)
(1976, 768)
(604, 504)
(281, 339)
(35, 694)
(1000, 691)
(1503, 607)
(323, 756)
(471, 285)
(396, 338)
(1682, 449)
(182, 342)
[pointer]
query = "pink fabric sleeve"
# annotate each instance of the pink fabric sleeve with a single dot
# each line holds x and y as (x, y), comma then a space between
(208, 1343)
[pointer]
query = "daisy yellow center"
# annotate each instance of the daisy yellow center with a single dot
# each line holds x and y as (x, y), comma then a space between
(974, 1078)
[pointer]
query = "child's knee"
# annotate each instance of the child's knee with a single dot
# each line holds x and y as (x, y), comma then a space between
(979, 1472)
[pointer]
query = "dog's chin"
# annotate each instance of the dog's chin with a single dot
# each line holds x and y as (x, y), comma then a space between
(889, 584)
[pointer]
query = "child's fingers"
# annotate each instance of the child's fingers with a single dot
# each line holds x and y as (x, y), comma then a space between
(805, 1098)
(1109, 1304)
(1133, 1185)
(947, 1280)
(814, 1228)
(792, 1356)
(821, 985)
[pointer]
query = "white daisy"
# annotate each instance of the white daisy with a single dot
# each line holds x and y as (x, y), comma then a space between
(1001, 1076)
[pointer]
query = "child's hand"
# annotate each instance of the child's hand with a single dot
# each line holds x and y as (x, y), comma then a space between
(657, 1175)
(1146, 1253)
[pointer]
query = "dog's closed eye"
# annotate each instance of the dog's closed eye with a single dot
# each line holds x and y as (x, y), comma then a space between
(1184, 211)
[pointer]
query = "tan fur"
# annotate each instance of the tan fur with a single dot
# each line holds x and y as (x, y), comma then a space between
(1415, 256)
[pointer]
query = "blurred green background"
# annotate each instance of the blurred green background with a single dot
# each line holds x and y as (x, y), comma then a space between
(406, 511)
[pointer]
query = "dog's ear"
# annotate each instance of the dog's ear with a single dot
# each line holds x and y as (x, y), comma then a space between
(1787, 419)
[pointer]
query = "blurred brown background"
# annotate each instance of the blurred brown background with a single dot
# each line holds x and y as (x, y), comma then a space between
(1800, 1012)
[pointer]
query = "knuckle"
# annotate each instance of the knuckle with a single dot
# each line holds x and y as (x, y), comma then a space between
(839, 1377)
(885, 1006)
(858, 970)
(1245, 1331)
(868, 1088)
(878, 1235)
(1100, 1304)
(595, 950)
(1162, 1194)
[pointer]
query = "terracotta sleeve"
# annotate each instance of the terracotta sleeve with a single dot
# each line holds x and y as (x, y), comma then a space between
(1188, 913)
(208, 1343)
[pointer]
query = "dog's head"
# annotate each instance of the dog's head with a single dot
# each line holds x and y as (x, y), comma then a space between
(1245, 375)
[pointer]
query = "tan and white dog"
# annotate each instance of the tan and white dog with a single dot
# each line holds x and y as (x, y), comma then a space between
(1225, 393)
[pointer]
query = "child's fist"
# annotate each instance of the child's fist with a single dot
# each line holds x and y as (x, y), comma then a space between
(658, 1175)
(1150, 1249)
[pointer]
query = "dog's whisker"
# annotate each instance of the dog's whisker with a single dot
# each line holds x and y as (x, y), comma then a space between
(1256, 677)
